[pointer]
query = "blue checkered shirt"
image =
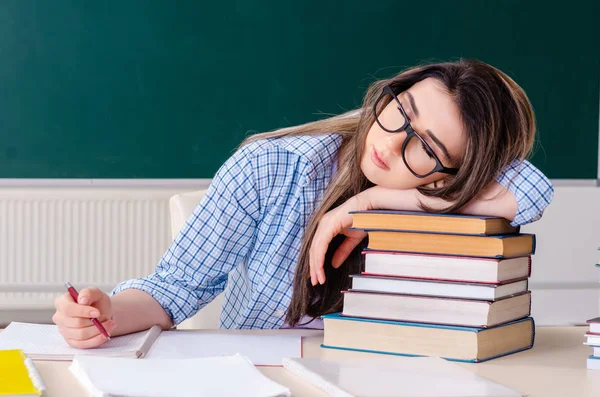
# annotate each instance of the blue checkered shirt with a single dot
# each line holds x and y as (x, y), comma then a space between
(245, 235)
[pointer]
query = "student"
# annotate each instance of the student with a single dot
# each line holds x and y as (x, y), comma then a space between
(449, 137)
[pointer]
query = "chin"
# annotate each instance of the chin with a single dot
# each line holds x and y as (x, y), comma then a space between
(377, 179)
(384, 181)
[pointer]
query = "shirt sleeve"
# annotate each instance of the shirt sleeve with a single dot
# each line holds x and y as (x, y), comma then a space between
(531, 188)
(215, 239)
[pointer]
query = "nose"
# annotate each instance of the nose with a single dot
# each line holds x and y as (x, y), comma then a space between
(395, 141)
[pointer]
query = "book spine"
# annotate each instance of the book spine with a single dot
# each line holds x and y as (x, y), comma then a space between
(473, 360)
(516, 350)
(34, 375)
(151, 337)
(502, 354)
(466, 256)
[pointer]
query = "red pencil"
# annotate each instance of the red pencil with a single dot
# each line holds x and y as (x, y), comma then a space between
(75, 296)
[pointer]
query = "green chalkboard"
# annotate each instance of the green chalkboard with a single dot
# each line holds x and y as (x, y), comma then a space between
(167, 89)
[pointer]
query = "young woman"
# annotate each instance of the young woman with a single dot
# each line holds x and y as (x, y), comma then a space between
(272, 228)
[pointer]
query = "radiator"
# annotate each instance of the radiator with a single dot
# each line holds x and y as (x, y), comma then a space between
(89, 236)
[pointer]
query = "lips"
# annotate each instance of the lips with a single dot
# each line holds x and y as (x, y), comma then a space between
(378, 161)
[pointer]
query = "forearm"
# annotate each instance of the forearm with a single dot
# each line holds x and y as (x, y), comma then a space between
(135, 310)
(494, 201)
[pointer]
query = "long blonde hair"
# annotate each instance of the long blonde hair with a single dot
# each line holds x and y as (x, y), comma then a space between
(500, 126)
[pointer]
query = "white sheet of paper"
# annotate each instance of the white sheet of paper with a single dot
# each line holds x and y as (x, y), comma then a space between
(260, 349)
(228, 376)
(38, 340)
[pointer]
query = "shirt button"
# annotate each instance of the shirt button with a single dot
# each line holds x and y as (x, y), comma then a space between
(280, 312)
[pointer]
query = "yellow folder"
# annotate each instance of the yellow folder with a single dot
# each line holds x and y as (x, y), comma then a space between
(18, 376)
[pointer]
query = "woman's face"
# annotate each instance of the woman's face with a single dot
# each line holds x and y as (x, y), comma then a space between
(435, 117)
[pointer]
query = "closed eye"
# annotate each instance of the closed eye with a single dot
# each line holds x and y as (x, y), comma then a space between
(426, 149)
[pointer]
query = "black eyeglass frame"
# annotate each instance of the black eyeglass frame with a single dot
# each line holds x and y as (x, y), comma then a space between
(410, 132)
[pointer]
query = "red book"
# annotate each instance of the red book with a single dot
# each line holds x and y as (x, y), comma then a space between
(594, 326)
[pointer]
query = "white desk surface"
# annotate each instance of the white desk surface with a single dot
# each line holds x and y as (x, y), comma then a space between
(555, 367)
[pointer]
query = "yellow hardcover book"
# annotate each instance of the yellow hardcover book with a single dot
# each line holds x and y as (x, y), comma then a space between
(18, 376)
(414, 221)
(503, 246)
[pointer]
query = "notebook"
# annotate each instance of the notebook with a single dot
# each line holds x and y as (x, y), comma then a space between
(395, 377)
(260, 349)
(18, 376)
(225, 376)
(44, 342)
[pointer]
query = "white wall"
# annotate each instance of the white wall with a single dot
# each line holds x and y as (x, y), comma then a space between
(564, 282)
(87, 232)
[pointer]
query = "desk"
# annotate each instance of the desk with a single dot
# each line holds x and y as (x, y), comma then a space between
(555, 367)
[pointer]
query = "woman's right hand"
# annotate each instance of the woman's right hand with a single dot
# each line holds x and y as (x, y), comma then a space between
(74, 319)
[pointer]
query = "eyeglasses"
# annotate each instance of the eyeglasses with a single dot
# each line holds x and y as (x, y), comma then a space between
(418, 156)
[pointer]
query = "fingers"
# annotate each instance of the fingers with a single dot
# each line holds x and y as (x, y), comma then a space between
(326, 231)
(72, 322)
(61, 319)
(73, 319)
(89, 343)
(89, 296)
(318, 249)
(68, 307)
(85, 333)
(345, 249)
(330, 225)
(313, 275)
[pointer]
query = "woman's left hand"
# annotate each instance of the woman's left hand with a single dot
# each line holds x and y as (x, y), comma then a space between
(337, 221)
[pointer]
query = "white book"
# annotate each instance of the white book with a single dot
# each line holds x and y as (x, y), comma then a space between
(482, 270)
(592, 340)
(594, 325)
(466, 290)
(593, 362)
(224, 376)
(434, 309)
(395, 376)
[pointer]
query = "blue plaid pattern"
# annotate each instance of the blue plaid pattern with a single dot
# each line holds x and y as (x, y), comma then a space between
(245, 235)
(531, 188)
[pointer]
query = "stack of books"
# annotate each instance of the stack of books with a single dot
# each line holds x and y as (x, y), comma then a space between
(453, 286)
(593, 338)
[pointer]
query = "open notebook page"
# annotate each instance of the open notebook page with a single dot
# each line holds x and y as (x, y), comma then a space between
(395, 377)
(260, 349)
(44, 342)
(226, 376)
